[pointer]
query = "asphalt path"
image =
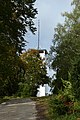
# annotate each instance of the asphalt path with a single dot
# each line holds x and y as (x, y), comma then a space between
(18, 109)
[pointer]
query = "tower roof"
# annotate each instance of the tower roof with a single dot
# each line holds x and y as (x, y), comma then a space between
(42, 50)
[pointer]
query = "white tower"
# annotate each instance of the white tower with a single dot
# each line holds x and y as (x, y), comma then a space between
(42, 89)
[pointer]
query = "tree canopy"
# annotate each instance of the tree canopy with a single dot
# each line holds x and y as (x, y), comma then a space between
(65, 51)
(16, 18)
(35, 71)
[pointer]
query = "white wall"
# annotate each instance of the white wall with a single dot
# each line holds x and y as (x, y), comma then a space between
(42, 55)
(41, 91)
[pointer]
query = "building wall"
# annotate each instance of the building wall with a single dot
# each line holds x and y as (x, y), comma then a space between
(43, 90)
(42, 55)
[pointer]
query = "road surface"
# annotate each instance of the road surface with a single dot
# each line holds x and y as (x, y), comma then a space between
(23, 109)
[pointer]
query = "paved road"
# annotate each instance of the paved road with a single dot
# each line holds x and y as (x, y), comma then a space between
(23, 109)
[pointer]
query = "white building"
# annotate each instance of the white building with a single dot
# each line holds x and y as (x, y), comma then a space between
(43, 90)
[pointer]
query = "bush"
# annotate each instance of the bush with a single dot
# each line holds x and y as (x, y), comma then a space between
(60, 105)
(63, 103)
(63, 106)
(23, 90)
(27, 90)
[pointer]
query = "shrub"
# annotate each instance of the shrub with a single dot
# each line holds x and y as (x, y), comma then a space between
(63, 103)
(58, 106)
(23, 90)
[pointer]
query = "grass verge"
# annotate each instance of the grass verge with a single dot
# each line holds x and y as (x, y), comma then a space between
(42, 107)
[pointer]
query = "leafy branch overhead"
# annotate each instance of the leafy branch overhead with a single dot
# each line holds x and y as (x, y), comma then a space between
(16, 18)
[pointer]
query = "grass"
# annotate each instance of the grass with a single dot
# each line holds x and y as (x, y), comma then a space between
(3, 100)
(6, 98)
(42, 108)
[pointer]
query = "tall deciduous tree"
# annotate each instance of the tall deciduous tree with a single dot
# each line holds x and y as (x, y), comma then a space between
(35, 72)
(16, 18)
(65, 50)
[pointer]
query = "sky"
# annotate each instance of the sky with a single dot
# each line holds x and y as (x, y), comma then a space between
(49, 14)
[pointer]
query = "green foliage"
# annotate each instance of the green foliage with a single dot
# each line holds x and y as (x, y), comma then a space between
(63, 106)
(65, 51)
(65, 117)
(26, 90)
(16, 18)
(23, 90)
(58, 111)
(77, 106)
(63, 103)
(76, 80)
(58, 107)
(67, 88)
(35, 72)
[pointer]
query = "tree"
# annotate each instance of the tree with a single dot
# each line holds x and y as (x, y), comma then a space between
(16, 18)
(35, 72)
(10, 69)
(65, 50)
